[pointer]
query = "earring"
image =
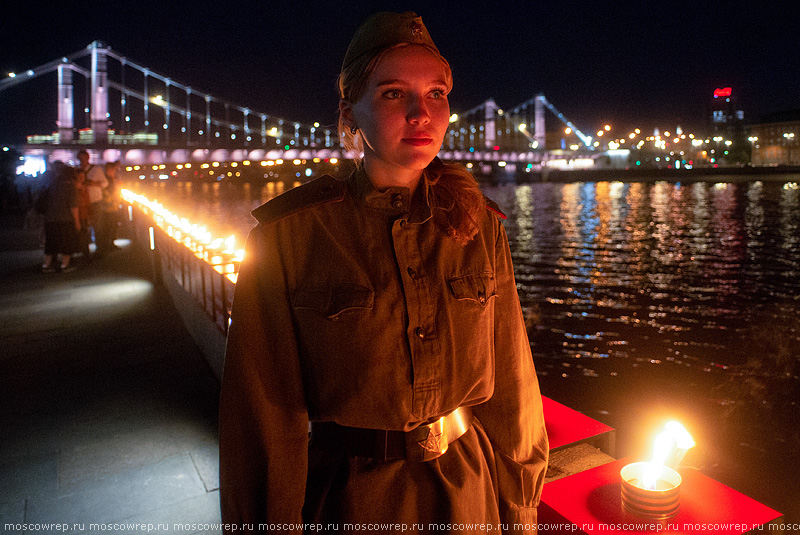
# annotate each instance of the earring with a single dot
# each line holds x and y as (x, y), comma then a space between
(353, 130)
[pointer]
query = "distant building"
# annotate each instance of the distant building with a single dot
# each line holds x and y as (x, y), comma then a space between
(776, 140)
(725, 118)
(728, 129)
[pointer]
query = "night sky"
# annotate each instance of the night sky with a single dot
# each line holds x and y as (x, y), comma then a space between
(642, 64)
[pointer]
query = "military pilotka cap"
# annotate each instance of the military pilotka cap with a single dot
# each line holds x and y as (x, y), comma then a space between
(385, 29)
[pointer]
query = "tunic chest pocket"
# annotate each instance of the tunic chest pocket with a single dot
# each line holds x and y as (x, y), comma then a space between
(479, 287)
(333, 301)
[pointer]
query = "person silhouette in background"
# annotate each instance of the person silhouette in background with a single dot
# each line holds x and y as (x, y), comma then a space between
(61, 220)
(84, 234)
(111, 203)
(95, 182)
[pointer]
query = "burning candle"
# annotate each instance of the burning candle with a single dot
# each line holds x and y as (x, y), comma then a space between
(652, 489)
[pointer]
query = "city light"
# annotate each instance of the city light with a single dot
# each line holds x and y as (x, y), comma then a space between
(290, 136)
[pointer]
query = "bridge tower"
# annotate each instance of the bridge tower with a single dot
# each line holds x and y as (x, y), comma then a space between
(539, 133)
(99, 110)
(490, 129)
(66, 104)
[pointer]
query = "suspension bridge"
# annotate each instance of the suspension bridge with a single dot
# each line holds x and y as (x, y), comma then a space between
(134, 115)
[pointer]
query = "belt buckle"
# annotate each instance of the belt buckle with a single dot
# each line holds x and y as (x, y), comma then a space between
(427, 442)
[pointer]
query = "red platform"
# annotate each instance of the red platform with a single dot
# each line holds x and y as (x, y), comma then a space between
(580, 503)
(567, 426)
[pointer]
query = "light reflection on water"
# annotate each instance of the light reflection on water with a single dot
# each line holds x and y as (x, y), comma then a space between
(683, 273)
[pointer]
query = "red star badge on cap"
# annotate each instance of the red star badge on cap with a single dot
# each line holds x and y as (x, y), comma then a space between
(416, 28)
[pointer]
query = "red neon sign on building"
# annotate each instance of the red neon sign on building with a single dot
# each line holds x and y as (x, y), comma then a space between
(722, 92)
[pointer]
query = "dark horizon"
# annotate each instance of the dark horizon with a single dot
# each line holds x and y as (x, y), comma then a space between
(596, 64)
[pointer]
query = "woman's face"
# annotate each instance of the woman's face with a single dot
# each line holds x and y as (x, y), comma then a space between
(403, 115)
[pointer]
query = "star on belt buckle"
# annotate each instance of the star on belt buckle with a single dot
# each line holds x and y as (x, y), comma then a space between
(433, 444)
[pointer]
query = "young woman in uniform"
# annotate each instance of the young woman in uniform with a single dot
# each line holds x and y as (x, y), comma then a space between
(382, 309)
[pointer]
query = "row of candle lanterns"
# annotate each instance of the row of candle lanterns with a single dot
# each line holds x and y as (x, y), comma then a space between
(220, 253)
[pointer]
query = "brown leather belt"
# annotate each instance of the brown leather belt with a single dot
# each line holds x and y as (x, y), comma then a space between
(423, 443)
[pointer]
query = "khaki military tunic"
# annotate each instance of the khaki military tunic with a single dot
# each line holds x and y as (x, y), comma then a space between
(353, 307)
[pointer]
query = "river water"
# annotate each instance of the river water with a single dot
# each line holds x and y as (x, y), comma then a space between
(645, 302)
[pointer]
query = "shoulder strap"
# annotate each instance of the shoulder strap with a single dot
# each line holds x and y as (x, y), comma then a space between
(322, 190)
(493, 207)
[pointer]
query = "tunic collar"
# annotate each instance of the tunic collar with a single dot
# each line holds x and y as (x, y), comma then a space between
(394, 200)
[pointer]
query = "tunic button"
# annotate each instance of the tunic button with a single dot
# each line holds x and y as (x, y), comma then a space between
(403, 223)
(412, 273)
(397, 200)
(420, 333)
(482, 299)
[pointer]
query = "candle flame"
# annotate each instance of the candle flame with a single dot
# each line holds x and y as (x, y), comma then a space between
(671, 444)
